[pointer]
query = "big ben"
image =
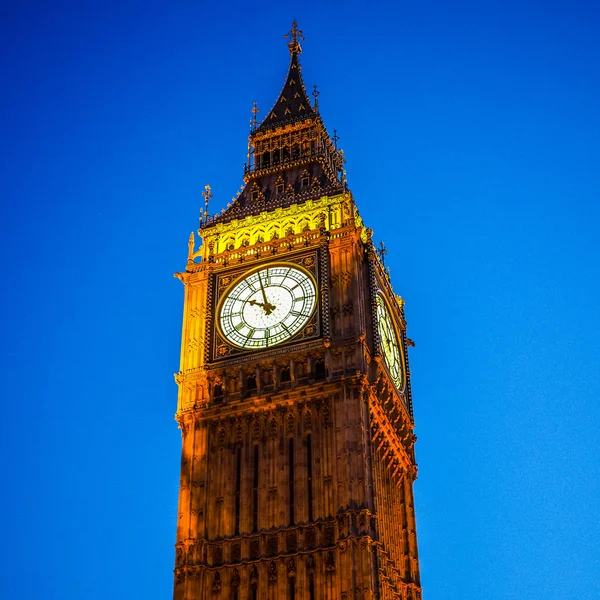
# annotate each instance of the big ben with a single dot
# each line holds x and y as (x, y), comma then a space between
(294, 401)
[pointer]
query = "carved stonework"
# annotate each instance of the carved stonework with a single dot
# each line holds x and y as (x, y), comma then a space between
(290, 424)
(273, 428)
(235, 579)
(329, 563)
(255, 431)
(310, 565)
(216, 586)
(272, 572)
(291, 568)
(254, 576)
(307, 421)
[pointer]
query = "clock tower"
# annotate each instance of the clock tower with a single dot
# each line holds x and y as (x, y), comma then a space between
(294, 400)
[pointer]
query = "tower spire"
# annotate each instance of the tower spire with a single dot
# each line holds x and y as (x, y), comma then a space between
(291, 156)
(293, 103)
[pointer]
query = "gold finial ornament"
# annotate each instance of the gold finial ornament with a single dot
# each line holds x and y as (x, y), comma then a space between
(382, 251)
(191, 244)
(316, 96)
(293, 35)
(207, 196)
(255, 111)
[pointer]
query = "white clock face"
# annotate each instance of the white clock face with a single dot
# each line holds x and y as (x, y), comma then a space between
(390, 348)
(267, 307)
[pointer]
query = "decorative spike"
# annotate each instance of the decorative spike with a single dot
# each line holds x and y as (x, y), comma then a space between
(207, 196)
(316, 97)
(293, 35)
(382, 251)
(191, 244)
(335, 138)
(255, 111)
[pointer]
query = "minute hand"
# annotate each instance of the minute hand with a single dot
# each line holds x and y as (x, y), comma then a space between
(262, 289)
(268, 308)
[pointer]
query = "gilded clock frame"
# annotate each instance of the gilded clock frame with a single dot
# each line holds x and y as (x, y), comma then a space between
(224, 281)
(399, 332)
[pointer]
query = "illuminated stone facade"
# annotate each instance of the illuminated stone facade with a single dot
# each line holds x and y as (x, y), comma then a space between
(297, 458)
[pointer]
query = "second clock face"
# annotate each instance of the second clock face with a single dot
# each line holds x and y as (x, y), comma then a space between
(390, 348)
(267, 307)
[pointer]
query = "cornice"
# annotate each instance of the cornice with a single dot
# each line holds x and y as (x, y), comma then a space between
(283, 398)
(275, 213)
(385, 432)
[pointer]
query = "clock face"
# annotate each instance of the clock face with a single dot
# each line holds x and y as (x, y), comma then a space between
(390, 348)
(267, 307)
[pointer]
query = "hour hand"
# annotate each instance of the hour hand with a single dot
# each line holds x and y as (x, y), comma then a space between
(268, 308)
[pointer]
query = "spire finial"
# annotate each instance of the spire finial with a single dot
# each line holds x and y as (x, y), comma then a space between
(382, 251)
(293, 35)
(335, 138)
(255, 111)
(207, 196)
(191, 244)
(316, 96)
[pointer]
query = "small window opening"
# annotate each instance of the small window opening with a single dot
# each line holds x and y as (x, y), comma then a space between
(320, 371)
(291, 482)
(251, 384)
(218, 393)
(255, 491)
(238, 481)
(285, 375)
(310, 476)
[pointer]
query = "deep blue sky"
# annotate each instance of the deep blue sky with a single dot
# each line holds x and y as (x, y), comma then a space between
(472, 132)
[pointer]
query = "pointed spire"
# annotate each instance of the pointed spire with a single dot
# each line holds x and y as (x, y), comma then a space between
(293, 103)
(291, 156)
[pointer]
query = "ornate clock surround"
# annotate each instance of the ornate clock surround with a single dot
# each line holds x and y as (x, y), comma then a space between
(381, 286)
(398, 333)
(221, 349)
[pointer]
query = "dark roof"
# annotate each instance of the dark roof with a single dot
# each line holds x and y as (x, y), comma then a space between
(293, 104)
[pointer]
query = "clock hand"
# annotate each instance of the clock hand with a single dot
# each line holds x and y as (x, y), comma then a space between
(255, 303)
(262, 289)
(268, 308)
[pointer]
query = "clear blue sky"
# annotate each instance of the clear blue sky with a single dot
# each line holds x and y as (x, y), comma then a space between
(472, 132)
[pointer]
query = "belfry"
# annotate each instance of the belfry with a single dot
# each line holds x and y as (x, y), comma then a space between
(294, 401)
